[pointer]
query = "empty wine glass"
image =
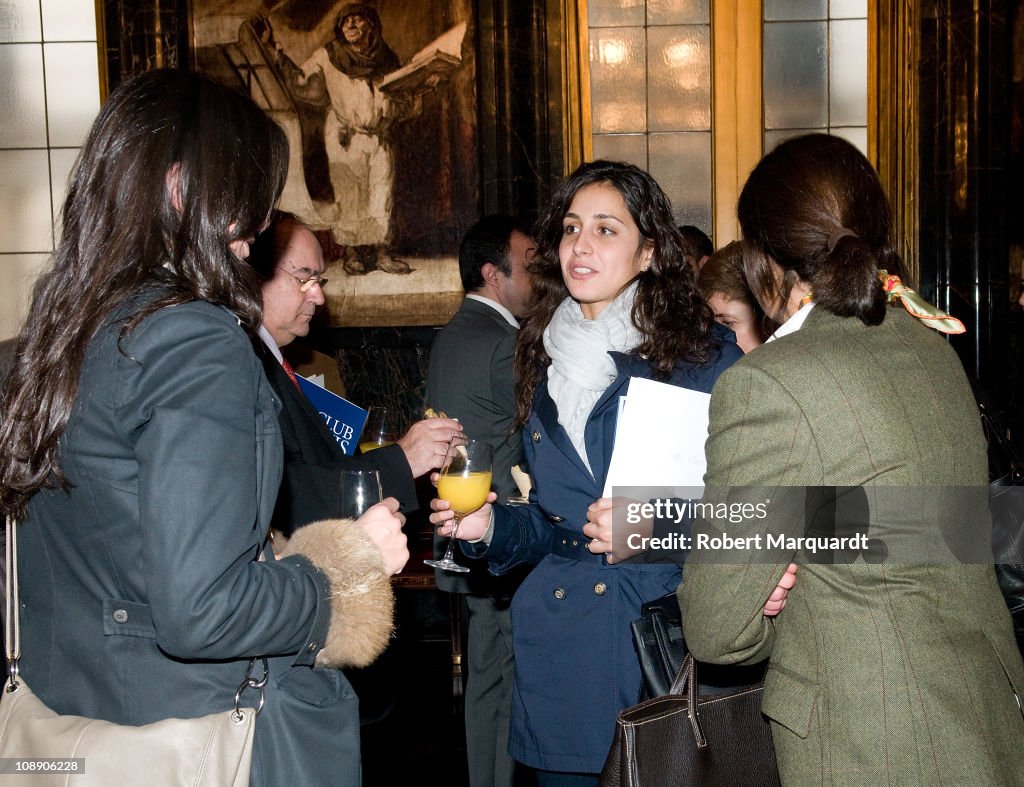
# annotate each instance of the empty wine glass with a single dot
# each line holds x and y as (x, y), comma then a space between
(359, 490)
(464, 481)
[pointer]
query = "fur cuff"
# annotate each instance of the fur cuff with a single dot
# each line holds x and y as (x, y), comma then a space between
(362, 601)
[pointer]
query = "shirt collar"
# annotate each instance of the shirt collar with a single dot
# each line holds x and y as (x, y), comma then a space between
(271, 344)
(509, 317)
(793, 324)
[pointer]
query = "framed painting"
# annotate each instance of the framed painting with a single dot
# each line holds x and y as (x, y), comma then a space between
(379, 104)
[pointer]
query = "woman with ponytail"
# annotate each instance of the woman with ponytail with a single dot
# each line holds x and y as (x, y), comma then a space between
(893, 660)
(615, 299)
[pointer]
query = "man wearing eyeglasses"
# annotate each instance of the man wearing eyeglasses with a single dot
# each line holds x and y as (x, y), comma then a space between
(290, 262)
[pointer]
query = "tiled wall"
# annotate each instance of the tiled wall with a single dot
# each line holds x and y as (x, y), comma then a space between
(650, 78)
(49, 95)
(651, 75)
(815, 69)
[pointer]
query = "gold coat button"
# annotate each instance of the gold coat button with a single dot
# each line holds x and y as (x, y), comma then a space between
(559, 593)
(600, 588)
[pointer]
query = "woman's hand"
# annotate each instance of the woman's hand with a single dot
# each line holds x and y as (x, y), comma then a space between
(383, 524)
(606, 538)
(473, 526)
(777, 600)
(599, 527)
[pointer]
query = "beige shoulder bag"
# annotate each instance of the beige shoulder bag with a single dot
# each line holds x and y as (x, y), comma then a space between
(214, 750)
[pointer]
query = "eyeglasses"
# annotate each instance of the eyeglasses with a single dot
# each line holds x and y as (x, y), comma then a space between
(305, 285)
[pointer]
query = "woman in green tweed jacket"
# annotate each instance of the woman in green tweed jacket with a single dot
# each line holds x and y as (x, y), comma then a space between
(896, 665)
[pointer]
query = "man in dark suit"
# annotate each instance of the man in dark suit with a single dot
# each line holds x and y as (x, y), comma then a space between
(288, 258)
(471, 378)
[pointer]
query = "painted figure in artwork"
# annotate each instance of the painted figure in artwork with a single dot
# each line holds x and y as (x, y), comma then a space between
(345, 116)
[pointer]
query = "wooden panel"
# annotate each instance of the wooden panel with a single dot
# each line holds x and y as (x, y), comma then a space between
(893, 101)
(736, 98)
(577, 130)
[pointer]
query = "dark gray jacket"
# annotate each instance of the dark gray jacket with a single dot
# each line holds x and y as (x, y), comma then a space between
(143, 592)
(471, 378)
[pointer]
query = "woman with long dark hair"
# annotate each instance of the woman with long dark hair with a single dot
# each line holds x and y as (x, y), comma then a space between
(894, 660)
(615, 299)
(140, 452)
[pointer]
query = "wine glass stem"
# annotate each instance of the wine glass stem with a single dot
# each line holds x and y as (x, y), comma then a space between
(449, 553)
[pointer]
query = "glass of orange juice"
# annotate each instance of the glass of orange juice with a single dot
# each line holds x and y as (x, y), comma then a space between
(464, 481)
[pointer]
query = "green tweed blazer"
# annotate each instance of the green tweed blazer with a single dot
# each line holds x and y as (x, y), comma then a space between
(902, 671)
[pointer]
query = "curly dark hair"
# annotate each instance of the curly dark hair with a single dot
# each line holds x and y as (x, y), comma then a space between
(174, 170)
(669, 311)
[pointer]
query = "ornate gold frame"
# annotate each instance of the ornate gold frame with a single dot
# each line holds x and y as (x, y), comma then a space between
(101, 49)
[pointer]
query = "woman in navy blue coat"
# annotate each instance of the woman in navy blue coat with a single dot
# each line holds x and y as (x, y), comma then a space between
(615, 299)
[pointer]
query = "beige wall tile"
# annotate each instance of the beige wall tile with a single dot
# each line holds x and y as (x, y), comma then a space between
(25, 209)
(19, 21)
(18, 273)
(68, 20)
(22, 102)
(72, 91)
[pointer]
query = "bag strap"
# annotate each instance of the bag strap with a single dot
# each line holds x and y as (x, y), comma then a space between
(686, 678)
(683, 676)
(12, 631)
(12, 618)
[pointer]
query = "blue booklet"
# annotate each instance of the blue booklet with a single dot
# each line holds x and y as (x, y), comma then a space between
(344, 419)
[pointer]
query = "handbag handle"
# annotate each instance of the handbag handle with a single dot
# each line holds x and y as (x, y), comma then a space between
(686, 678)
(12, 630)
(12, 622)
(994, 437)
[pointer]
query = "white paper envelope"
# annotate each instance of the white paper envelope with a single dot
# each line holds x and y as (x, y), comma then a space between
(659, 438)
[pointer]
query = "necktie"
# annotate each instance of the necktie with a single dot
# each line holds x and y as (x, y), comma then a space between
(291, 374)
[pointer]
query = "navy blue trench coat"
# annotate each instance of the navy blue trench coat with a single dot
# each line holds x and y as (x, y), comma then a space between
(575, 663)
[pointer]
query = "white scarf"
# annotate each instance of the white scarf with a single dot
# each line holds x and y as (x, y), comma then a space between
(581, 369)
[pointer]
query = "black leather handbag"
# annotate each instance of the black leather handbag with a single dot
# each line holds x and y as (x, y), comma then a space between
(661, 649)
(659, 643)
(686, 737)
